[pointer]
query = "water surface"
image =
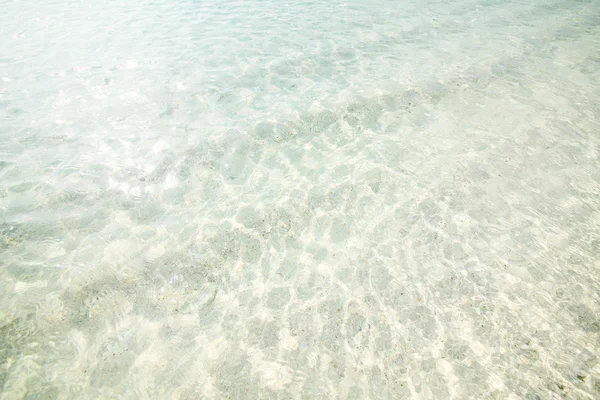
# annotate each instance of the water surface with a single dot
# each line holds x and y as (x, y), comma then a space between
(300, 199)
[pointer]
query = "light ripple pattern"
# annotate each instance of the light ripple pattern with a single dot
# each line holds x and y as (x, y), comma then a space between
(285, 199)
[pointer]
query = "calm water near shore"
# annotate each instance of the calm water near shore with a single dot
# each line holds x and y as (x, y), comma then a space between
(342, 199)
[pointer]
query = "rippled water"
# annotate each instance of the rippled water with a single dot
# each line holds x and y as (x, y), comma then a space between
(300, 199)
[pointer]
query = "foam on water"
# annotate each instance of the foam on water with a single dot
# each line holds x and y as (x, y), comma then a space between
(300, 199)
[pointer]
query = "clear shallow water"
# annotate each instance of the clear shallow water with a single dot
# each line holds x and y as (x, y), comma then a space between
(284, 199)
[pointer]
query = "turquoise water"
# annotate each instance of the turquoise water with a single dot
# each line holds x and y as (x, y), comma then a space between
(300, 199)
